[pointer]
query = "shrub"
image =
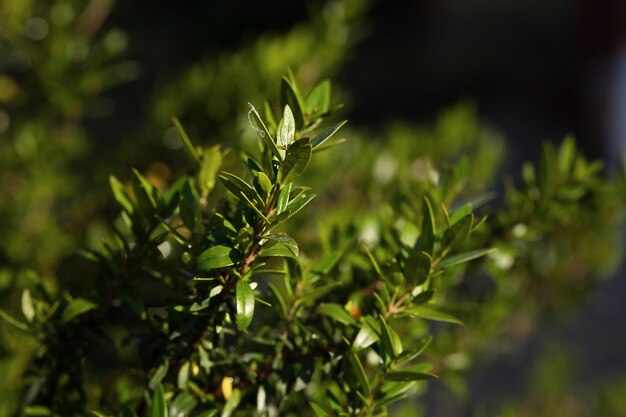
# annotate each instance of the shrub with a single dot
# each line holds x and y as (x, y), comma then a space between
(216, 295)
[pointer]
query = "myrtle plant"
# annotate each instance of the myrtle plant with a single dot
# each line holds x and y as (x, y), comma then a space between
(204, 306)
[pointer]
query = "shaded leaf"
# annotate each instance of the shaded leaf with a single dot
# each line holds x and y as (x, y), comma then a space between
(296, 160)
(426, 241)
(417, 267)
(190, 150)
(245, 304)
(463, 257)
(289, 96)
(231, 404)
(77, 307)
(326, 134)
(336, 312)
(219, 256)
(159, 405)
(285, 241)
(458, 232)
(318, 100)
(120, 195)
(429, 314)
(408, 376)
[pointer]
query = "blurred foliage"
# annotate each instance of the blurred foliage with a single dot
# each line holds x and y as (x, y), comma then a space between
(552, 228)
(553, 389)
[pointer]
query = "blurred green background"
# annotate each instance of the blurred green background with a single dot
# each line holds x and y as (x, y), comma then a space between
(87, 89)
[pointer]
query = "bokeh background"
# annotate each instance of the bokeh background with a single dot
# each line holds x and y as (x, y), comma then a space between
(87, 90)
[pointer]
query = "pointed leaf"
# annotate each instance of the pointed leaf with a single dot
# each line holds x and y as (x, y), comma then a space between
(219, 256)
(434, 315)
(318, 100)
(159, 404)
(231, 403)
(77, 307)
(210, 165)
(237, 186)
(190, 150)
(359, 372)
(365, 337)
(336, 312)
(326, 134)
(120, 195)
(285, 240)
(286, 129)
(408, 376)
(296, 160)
(458, 232)
(426, 241)
(289, 96)
(463, 257)
(245, 304)
(417, 268)
(27, 306)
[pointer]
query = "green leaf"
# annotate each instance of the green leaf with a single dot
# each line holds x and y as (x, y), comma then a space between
(277, 249)
(458, 232)
(284, 240)
(98, 414)
(408, 376)
(189, 207)
(283, 198)
(429, 314)
(326, 134)
(286, 129)
(359, 372)
(299, 203)
(411, 354)
(146, 194)
(120, 195)
(9, 319)
(245, 304)
(159, 405)
(327, 263)
(219, 256)
(318, 410)
(463, 257)
(278, 295)
(365, 337)
(208, 413)
(27, 306)
(289, 96)
(183, 375)
(296, 160)
(265, 183)
(159, 374)
(37, 410)
(237, 186)
(182, 405)
(391, 340)
(232, 403)
(417, 267)
(567, 156)
(318, 100)
(337, 312)
(426, 241)
(210, 165)
(77, 307)
(255, 119)
(190, 150)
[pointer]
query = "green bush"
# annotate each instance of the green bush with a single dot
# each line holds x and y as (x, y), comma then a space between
(222, 286)
(215, 295)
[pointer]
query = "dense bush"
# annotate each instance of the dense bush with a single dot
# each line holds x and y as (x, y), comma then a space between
(270, 272)
(202, 302)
